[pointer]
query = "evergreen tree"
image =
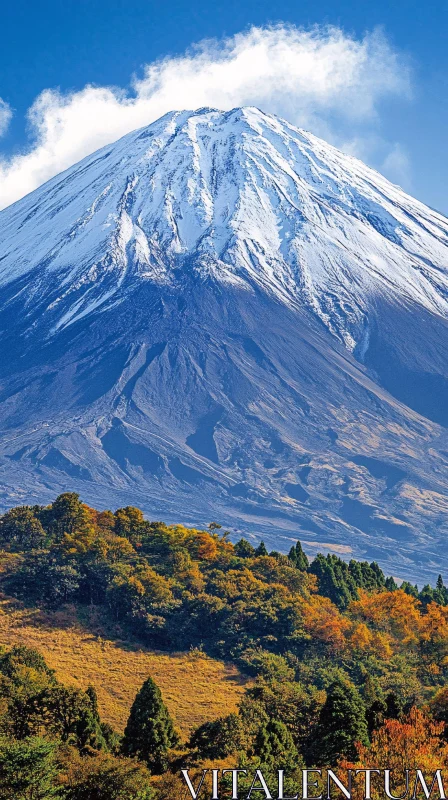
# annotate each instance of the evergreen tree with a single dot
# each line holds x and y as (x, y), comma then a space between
(298, 557)
(334, 579)
(261, 550)
(394, 708)
(342, 723)
(89, 729)
(427, 595)
(390, 584)
(218, 739)
(150, 732)
(366, 576)
(379, 575)
(244, 549)
(275, 746)
(357, 573)
(74, 717)
(376, 706)
(410, 589)
(28, 769)
(441, 592)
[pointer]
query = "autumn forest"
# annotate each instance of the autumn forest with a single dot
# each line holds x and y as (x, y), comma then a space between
(346, 667)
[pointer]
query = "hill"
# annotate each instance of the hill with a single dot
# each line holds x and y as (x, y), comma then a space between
(172, 588)
(196, 688)
(155, 626)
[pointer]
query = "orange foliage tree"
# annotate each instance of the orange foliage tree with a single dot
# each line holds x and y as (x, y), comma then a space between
(394, 613)
(411, 744)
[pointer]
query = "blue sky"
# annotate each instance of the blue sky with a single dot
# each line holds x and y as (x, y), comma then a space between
(392, 110)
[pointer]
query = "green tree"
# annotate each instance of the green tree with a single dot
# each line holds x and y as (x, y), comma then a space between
(375, 703)
(130, 523)
(409, 588)
(24, 682)
(342, 723)
(21, 530)
(244, 549)
(441, 592)
(73, 717)
(67, 515)
(298, 557)
(44, 579)
(20, 656)
(220, 738)
(275, 746)
(35, 703)
(335, 580)
(271, 666)
(261, 550)
(28, 769)
(150, 733)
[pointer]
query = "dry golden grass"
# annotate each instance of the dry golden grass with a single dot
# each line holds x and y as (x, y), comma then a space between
(194, 687)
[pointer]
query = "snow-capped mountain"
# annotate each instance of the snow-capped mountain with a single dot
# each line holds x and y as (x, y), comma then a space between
(251, 199)
(222, 316)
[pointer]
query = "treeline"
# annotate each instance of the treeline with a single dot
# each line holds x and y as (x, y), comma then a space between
(176, 587)
(340, 581)
(344, 661)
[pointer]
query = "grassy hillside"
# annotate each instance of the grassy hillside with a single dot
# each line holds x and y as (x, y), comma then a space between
(195, 688)
(344, 661)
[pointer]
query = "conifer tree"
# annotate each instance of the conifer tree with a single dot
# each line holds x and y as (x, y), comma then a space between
(298, 557)
(244, 549)
(28, 769)
(150, 732)
(440, 592)
(376, 706)
(342, 723)
(340, 588)
(275, 746)
(261, 550)
(394, 709)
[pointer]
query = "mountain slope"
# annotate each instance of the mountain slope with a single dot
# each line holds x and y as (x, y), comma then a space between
(223, 316)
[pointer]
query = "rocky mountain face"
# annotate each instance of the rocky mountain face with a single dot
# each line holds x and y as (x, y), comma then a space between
(222, 317)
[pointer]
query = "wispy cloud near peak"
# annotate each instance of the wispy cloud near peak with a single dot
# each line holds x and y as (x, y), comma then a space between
(322, 79)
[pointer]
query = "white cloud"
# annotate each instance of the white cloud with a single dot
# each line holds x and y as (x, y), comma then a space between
(322, 79)
(5, 116)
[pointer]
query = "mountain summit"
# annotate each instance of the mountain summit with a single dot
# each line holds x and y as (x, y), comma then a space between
(222, 316)
(242, 197)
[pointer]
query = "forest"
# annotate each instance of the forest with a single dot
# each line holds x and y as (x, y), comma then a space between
(347, 667)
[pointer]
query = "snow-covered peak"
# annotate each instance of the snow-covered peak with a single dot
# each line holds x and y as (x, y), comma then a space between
(240, 197)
